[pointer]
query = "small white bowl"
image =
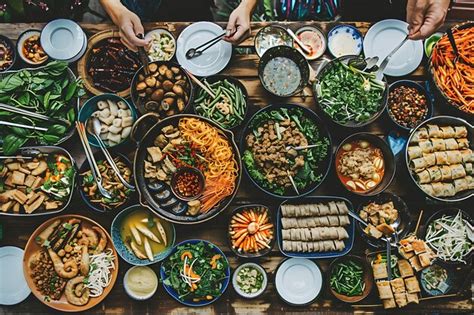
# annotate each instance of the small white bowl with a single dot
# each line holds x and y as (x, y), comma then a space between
(250, 295)
(160, 31)
(19, 46)
(133, 295)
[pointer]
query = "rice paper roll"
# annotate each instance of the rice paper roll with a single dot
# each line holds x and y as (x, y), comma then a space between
(286, 234)
(460, 132)
(323, 209)
(434, 131)
(438, 189)
(441, 158)
(428, 189)
(419, 135)
(333, 208)
(342, 207)
(344, 220)
(423, 177)
(469, 168)
(451, 144)
(418, 164)
(457, 171)
(333, 220)
(435, 174)
(454, 157)
(470, 181)
(430, 159)
(461, 184)
(426, 146)
(438, 144)
(443, 189)
(445, 173)
(467, 156)
(342, 233)
(414, 152)
(463, 143)
(339, 245)
(447, 132)
(314, 211)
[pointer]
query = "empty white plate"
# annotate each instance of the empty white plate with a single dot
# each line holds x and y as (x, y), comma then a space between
(13, 286)
(213, 60)
(62, 39)
(298, 281)
(383, 37)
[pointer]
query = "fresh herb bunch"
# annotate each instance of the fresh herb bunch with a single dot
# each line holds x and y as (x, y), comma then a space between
(348, 94)
(48, 90)
(203, 263)
(307, 175)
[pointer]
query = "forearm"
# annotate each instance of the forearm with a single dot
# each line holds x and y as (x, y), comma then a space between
(249, 5)
(113, 8)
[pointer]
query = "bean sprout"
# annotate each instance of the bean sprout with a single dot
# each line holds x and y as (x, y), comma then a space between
(99, 274)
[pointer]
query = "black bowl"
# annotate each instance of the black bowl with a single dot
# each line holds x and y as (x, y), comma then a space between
(271, 219)
(324, 165)
(136, 99)
(439, 214)
(390, 164)
(9, 44)
(403, 212)
(85, 167)
(446, 102)
(421, 90)
(350, 124)
(221, 77)
(290, 53)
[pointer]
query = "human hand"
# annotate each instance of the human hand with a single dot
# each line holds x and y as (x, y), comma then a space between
(425, 17)
(238, 27)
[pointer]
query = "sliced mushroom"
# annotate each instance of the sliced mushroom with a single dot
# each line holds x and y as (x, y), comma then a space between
(173, 135)
(155, 153)
(40, 169)
(169, 165)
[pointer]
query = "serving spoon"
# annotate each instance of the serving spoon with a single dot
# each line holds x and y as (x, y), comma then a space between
(93, 128)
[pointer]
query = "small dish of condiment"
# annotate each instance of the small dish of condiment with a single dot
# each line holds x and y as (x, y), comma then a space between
(249, 280)
(162, 45)
(29, 48)
(187, 183)
(344, 40)
(271, 36)
(314, 40)
(408, 104)
(7, 53)
(140, 282)
(436, 280)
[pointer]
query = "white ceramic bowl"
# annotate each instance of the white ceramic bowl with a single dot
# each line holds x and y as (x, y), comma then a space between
(160, 31)
(250, 295)
(132, 294)
(19, 46)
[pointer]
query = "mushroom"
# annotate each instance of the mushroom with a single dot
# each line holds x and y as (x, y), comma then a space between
(40, 169)
(155, 154)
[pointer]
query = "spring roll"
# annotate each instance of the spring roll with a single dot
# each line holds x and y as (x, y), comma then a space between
(435, 174)
(469, 169)
(470, 182)
(454, 157)
(441, 158)
(415, 152)
(457, 171)
(428, 189)
(430, 159)
(342, 207)
(447, 132)
(451, 144)
(434, 131)
(460, 132)
(423, 177)
(438, 144)
(467, 156)
(420, 134)
(461, 184)
(426, 146)
(463, 143)
(445, 173)
(418, 164)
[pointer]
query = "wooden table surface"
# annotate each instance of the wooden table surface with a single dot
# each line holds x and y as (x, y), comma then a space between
(16, 231)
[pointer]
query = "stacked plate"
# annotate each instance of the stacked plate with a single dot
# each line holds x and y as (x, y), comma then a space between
(63, 40)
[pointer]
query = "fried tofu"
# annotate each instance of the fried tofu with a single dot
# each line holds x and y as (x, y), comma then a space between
(401, 299)
(405, 268)
(406, 254)
(398, 285)
(415, 263)
(413, 298)
(385, 292)
(419, 246)
(385, 229)
(373, 231)
(389, 303)
(412, 285)
(425, 259)
(380, 271)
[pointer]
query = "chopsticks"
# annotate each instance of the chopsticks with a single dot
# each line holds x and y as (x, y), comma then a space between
(198, 82)
(21, 111)
(12, 124)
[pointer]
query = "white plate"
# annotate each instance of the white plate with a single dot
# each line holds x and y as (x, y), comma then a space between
(213, 60)
(13, 286)
(62, 39)
(298, 281)
(81, 53)
(383, 37)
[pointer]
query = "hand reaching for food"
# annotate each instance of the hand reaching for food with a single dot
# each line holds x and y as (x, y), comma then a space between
(129, 24)
(425, 17)
(238, 27)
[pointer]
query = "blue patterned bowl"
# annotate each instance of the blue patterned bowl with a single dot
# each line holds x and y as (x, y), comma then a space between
(124, 251)
(344, 40)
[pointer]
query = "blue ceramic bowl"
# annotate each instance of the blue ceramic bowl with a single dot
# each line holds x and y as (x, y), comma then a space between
(175, 295)
(123, 250)
(348, 243)
(90, 106)
(352, 31)
(436, 291)
(85, 167)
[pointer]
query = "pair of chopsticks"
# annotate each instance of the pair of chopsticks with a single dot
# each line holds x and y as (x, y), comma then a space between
(27, 113)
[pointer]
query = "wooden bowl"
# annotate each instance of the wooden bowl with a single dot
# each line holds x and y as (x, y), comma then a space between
(367, 277)
(62, 304)
(83, 63)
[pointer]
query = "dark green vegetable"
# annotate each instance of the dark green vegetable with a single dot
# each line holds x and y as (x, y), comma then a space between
(48, 91)
(228, 107)
(210, 284)
(348, 94)
(348, 278)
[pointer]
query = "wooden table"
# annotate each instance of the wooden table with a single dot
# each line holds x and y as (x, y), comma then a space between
(16, 231)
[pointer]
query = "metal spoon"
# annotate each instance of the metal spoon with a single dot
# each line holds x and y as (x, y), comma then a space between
(371, 62)
(383, 65)
(93, 128)
(194, 52)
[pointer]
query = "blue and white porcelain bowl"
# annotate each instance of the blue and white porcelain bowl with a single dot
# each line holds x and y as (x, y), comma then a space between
(344, 40)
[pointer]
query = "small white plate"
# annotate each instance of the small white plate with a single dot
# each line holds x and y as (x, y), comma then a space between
(298, 281)
(62, 39)
(13, 286)
(383, 37)
(81, 53)
(213, 60)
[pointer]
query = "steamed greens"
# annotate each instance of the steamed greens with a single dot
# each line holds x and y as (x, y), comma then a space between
(348, 94)
(49, 90)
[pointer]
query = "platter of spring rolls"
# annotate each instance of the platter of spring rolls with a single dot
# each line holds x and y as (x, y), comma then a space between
(440, 158)
(315, 227)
